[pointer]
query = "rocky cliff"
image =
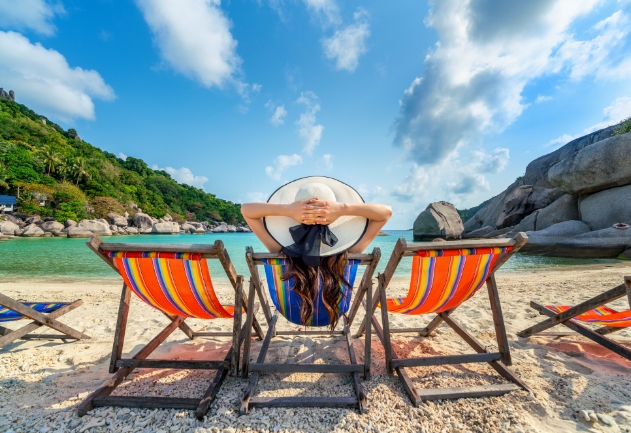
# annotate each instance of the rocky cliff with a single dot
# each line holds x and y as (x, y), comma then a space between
(573, 202)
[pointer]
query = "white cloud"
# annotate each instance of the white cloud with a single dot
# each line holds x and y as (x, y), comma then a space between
(488, 51)
(493, 162)
(347, 44)
(326, 162)
(278, 118)
(619, 110)
(542, 98)
(194, 37)
(257, 196)
(42, 79)
(184, 175)
(282, 163)
(33, 15)
(326, 11)
(256, 88)
(122, 156)
(309, 131)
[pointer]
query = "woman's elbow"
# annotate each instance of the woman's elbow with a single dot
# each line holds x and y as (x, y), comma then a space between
(387, 212)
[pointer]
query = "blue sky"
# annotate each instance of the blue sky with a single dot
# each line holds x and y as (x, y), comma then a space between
(408, 101)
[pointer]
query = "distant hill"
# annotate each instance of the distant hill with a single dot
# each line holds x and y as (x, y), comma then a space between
(466, 214)
(40, 162)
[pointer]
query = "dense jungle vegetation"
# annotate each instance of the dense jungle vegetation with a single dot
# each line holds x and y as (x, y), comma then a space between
(40, 162)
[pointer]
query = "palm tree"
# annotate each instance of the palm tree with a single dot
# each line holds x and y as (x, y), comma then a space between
(50, 158)
(79, 169)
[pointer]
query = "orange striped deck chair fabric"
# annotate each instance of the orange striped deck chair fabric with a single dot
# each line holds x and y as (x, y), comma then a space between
(592, 312)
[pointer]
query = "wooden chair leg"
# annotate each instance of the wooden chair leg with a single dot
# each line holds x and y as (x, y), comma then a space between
(385, 322)
(498, 321)
(236, 328)
(374, 303)
(121, 327)
(368, 335)
(248, 325)
(359, 390)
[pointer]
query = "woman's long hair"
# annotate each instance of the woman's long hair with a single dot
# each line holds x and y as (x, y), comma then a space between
(307, 281)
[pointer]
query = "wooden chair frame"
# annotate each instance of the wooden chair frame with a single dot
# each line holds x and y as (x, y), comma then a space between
(122, 367)
(565, 318)
(497, 360)
(260, 366)
(39, 319)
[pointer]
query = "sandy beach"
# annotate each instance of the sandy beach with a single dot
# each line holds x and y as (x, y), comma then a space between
(41, 382)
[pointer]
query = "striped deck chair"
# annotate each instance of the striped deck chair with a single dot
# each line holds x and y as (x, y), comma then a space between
(591, 312)
(175, 280)
(287, 304)
(41, 314)
(444, 275)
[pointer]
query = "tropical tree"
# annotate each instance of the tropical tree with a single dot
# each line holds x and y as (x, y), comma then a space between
(4, 175)
(79, 169)
(50, 158)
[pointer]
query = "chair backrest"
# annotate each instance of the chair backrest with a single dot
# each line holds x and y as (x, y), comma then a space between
(446, 274)
(171, 278)
(288, 303)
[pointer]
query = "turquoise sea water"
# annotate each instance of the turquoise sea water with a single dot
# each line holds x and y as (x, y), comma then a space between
(71, 258)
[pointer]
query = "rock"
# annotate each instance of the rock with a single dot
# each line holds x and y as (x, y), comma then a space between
(35, 219)
(116, 219)
(537, 171)
(479, 233)
(79, 232)
(220, 229)
(51, 226)
(523, 201)
(8, 227)
(18, 232)
(563, 209)
(132, 230)
(70, 223)
(528, 223)
(126, 214)
(439, 219)
(32, 230)
(49, 219)
(626, 255)
(186, 227)
(594, 168)
(98, 227)
(605, 419)
(142, 221)
(605, 208)
(168, 218)
(14, 220)
(165, 228)
(114, 228)
(540, 241)
(488, 215)
(500, 232)
(232, 229)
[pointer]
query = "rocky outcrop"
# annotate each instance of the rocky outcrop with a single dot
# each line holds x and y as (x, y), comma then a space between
(70, 223)
(131, 230)
(221, 228)
(563, 209)
(98, 227)
(8, 228)
(438, 220)
(165, 228)
(32, 230)
(51, 226)
(594, 168)
(523, 201)
(4, 95)
(489, 214)
(606, 208)
(142, 221)
(79, 232)
(116, 219)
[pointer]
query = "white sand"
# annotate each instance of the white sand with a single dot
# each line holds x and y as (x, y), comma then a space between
(41, 382)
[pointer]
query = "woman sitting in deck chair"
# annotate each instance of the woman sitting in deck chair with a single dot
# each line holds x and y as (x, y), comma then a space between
(315, 228)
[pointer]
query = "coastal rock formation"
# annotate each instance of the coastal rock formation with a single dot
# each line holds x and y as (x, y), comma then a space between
(606, 208)
(116, 219)
(165, 228)
(32, 230)
(438, 220)
(131, 230)
(51, 226)
(568, 200)
(98, 227)
(221, 228)
(8, 228)
(4, 95)
(70, 223)
(594, 168)
(79, 232)
(142, 221)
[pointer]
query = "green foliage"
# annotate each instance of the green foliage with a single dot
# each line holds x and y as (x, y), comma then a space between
(466, 214)
(624, 127)
(32, 152)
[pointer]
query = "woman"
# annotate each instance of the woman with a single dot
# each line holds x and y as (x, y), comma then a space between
(316, 221)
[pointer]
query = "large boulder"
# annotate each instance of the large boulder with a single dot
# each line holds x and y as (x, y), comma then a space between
(545, 241)
(605, 243)
(116, 219)
(232, 229)
(51, 226)
(168, 218)
(78, 232)
(97, 227)
(528, 223)
(32, 230)
(142, 221)
(479, 233)
(594, 168)
(537, 171)
(523, 201)
(8, 227)
(488, 215)
(188, 228)
(563, 209)
(606, 208)
(70, 223)
(131, 230)
(166, 228)
(438, 220)
(35, 219)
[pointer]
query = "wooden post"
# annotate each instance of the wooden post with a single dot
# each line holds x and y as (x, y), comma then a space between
(498, 320)
(248, 325)
(363, 285)
(121, 327)
(368, 334)
(254, 272)
(236, 327)
(385, 322)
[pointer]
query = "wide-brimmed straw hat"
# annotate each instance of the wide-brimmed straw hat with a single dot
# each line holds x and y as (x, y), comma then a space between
(347, 229)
